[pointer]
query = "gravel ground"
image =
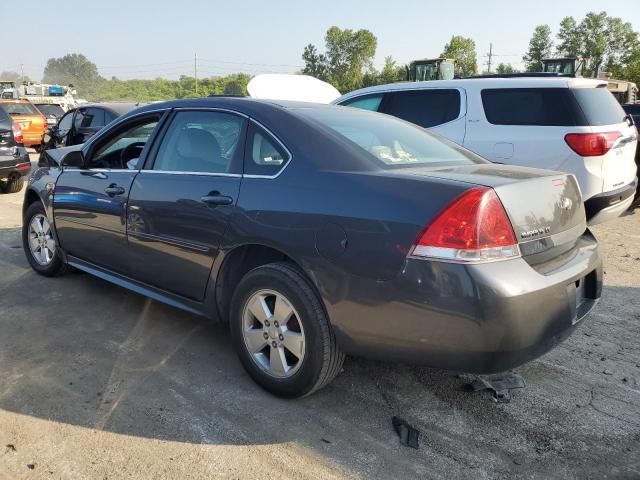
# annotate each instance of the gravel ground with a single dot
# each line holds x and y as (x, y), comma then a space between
(98, 382)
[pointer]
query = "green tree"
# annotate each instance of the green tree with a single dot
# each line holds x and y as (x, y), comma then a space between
(621, 45)
(570, 38)
(540, 47)
(463, 51)
(115, 89)
(73, 68)
(348, 57)
(606, 43)
(503, 68)
(349, 54)
(631, 70)
(391, 72)
(593, 30)
(315, 64)
(13, 77)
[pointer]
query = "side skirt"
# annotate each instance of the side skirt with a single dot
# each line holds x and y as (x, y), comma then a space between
(163, 296)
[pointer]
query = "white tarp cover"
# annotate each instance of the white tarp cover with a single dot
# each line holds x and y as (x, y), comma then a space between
(303, 88)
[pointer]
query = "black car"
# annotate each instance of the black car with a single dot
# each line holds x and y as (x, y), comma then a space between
(79, 124)
(317, 231)
(633, 109)
(14, 159)
(51, 111)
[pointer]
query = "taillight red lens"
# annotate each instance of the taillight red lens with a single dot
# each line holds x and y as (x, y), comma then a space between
(474, 227)
(592, 144)
(17, 132)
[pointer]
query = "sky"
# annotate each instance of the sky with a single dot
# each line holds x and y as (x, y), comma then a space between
(149, 39)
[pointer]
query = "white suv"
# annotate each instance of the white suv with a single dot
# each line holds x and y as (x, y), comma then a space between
(571, 125)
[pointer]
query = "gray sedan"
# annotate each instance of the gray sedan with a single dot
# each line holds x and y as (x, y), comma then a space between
(318, 232)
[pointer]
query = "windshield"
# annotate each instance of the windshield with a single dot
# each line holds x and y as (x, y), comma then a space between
(51, 109)
(599, 106)
(390, 142)
(19, 109)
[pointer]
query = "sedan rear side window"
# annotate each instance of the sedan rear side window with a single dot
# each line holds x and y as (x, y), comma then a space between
(529, 106)
(427, 108)
(200, 142)
(265, 156)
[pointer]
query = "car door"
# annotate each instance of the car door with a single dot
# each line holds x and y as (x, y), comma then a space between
(89, 203)
(88, 121)
(180, 203)
(57, 136)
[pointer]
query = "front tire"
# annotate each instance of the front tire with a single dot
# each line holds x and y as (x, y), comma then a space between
(281, 332)
(39, 243)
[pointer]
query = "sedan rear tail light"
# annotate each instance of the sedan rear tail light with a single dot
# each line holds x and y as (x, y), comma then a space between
(592, 144)
(17, 132)
(473, 228)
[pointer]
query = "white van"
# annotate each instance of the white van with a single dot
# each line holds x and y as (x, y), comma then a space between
(571, 125)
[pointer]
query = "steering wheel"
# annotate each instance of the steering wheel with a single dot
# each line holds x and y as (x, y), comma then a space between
(128, 151)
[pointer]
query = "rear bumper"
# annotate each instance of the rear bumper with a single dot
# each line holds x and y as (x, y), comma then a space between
(609, 205)
(472, 318)
(30, 139)
(15, 166)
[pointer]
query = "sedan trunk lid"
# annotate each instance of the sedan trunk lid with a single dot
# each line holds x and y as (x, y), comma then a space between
(545, 207)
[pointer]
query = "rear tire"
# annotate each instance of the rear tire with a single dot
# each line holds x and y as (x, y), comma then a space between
(317, 358)
(39, 244)
(13, 185)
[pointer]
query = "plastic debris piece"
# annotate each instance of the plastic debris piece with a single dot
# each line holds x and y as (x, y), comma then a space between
(500, 384)
(407, 433)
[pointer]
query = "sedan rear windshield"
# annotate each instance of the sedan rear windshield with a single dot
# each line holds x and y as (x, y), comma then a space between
(19, 109)
(51, 109)
(389, 142)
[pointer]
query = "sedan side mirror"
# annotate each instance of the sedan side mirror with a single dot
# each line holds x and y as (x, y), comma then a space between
(73, 159)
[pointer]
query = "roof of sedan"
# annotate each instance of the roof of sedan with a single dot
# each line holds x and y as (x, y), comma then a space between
(240, 104)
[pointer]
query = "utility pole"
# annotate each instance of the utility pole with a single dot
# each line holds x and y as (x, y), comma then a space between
(195, 70)
(490, 55)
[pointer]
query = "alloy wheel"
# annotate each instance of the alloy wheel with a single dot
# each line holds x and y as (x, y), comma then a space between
(41, 242)
(273, 333)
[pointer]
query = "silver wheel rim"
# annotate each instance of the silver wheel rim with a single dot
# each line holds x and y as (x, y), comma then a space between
(273, 334)
(41, 242)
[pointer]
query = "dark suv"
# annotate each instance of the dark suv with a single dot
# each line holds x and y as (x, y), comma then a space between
(14, 159)
(633, 110)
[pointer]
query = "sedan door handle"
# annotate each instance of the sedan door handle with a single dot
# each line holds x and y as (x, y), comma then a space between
(214, 198)
(113, 190)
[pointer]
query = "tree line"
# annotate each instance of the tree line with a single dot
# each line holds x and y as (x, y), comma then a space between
(78, 70)
(602, 42)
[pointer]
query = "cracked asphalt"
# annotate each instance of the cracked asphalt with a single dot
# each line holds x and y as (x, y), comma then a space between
(98, 382)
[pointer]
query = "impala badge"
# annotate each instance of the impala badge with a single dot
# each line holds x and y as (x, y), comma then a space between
(535, 232)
